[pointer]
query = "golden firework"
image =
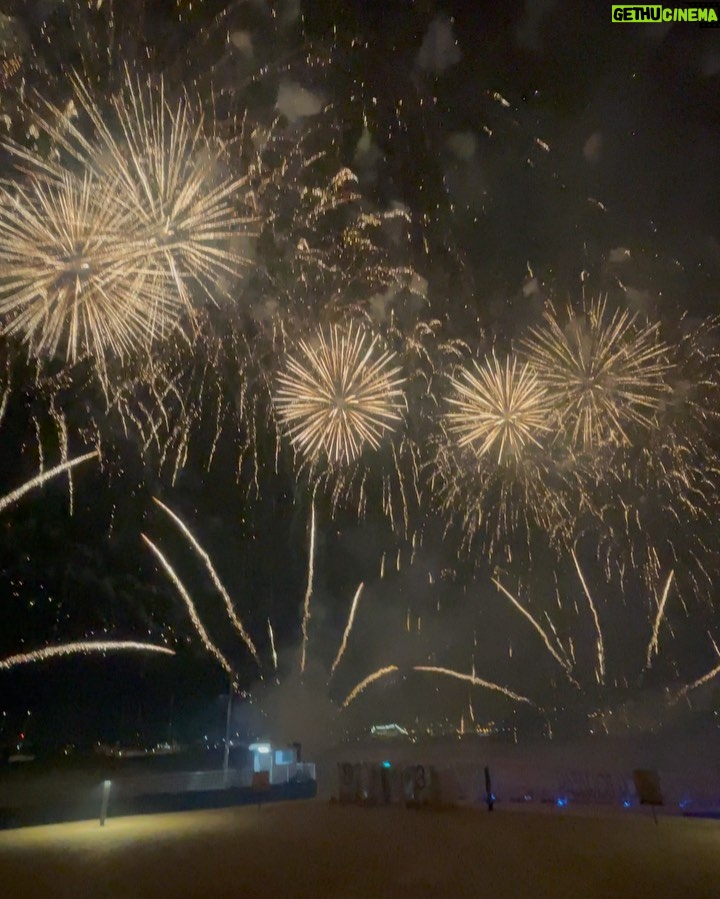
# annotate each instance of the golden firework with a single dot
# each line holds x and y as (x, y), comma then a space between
(497, 408)
(339, 394)
(603, 372)
(67, 278)
(110, 260)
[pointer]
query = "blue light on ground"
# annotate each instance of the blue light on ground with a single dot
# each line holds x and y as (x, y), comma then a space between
(562, 802)
(386, 765)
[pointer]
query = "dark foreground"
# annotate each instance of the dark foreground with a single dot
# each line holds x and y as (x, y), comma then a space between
(313, 849)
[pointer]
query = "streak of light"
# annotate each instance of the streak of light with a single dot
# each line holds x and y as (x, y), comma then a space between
(564, 664)
(309, 588)
(698, 683)
(365, 682)
(652, 649)
(599, 642)
(475, 681)
(39, 480)
(237, 623)
(272, 645)
(81, 646)
(348, 628)
(185, 596)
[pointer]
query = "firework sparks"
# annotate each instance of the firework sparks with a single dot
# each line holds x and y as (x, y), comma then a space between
(62, 427)
(599, 643)
(272, 645)
(339, 395)
(505, 505)
(475, 681)
(185, 596)
(39, 480)
(83, 647)
(69, 271)
(498, 409)
(308, 589)
(5, 396)
(653, 648)
(602, 372)
(697, 683)
(563, 662)
(348, 628)
(237, 623)
(110, 261)
(169, 175)
(365, 682)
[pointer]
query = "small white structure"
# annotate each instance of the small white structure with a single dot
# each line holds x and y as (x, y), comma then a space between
(281, 763)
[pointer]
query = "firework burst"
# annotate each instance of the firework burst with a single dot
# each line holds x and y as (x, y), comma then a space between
(175, 183)
(497, 409)
(112, 260)
(657, 500)
(67, 276)
(339, 395)
(603, 372)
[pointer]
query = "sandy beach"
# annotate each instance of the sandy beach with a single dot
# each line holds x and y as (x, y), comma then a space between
(316, 849)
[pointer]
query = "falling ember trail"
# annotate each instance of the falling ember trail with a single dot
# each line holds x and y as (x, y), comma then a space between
(653, 648)
(84, 647)
(371, 678)
(272, 645)
(40, 479)
(348, 628)
(237, 623)
(553, 652)
(475, 681)
(598, 630)
(5, 393)
(309, 589)
(207, 642)
(698, 683)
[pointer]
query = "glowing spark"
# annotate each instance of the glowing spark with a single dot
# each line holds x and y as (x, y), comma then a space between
(339, 395)
(185, 596)
(698, 683)
(599, 642)
(653, 644)
(309, 588)
(43, 478)
(546, 640)
(498, 409)
(81, 646)
(601, 372)
(272, 645)
(475, 681)
(371, 678)
(348, 628)
(6, 393)
(63, 432)
(237, 623)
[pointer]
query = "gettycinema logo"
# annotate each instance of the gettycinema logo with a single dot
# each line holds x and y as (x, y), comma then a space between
(704, 16)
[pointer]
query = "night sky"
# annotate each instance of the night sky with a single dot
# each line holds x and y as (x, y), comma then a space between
(539, 152)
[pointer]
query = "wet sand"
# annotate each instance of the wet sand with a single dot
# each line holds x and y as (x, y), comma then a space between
(315, 849)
